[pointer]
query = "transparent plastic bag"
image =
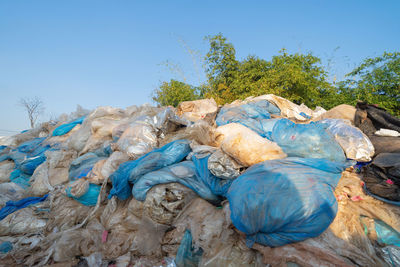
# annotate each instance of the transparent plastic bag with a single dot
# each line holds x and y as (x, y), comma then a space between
(353, 141)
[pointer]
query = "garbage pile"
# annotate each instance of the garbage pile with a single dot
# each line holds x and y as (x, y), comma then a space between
(258, 182)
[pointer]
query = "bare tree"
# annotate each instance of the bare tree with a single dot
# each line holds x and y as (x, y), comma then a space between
(34, 106)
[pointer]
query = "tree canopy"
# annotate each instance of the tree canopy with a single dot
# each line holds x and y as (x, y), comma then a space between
(377, 81)
(174, 92)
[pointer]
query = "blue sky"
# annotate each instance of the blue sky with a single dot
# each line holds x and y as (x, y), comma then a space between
(96, 53)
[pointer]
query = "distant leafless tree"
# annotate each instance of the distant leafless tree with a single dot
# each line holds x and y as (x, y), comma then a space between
(34, 106)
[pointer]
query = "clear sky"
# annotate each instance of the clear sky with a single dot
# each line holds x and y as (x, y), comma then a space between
(96, 53)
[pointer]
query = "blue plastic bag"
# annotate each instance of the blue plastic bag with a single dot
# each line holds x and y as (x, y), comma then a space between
(187, 256)
(184, 173)
(277, 202)
(29, 165)
(6, 247)
(306, 141)
(12, 206)
(31, 145)
(67, 127)
(20, 178)
(130, 171)
(2, 148)
(89, 198)
(80, 167)
(217, 185)
(249, 115)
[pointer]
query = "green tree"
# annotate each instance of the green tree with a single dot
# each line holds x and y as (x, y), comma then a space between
(297, 77)
(221, 68)
(174, 92)
(377, 81)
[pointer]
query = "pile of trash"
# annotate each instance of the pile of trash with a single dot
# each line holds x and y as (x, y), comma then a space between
(258, 182)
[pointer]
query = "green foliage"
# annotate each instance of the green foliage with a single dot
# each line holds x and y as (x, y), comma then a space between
(174, 92)
(377, 81)
(298, 77)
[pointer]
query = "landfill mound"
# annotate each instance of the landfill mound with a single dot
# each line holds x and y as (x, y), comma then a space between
(258, 182)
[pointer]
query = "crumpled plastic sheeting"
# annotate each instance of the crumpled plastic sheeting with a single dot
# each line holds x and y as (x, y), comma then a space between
(20, 178)
(80, 167)
(197, 109)
(223, 166)
(12, 206)
(391, 254)
(167, 119)
(78, 139)
(95, 176)
(18, 139)
(245, 146)
(184, 173)
(23, 221)
(112, 163)
(65, 213)
(353, 204)
(164, 202)
(249, 114)
(6, 167)
(306, 140)
(200, 150)
(200, 133)
(353, 141)
(83, 192)
(52, 172)
(139, 138)
(10, 191)
(211, 230)
(289, 109)
(324, 250)
(67, 127)
(29, 155)
(130, 171)
(277, 202)
(187, 256)
(345, 112)
(217, 186)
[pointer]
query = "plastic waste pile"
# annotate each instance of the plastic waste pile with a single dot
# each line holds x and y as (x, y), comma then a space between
(258, 182)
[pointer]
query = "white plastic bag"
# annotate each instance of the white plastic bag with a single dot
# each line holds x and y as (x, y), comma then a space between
(354, 142)
(387, 132)
(246, 146)
(197, 109)
(6, 167)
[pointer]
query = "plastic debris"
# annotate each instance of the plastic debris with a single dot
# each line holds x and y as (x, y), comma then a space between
(296, 192)
(306, 140)
(198, 109)
(353, 141)
(187, 255)
(387, 132)
(245, 146)
(67, 127)
(12, 206)
(206, 188)
(130, 171)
